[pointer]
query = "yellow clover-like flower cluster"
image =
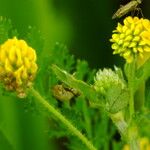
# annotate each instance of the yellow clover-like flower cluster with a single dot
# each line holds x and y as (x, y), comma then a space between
(132, 39)
(17, 65)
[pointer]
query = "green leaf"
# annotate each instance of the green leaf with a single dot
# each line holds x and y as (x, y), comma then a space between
(4, 142)
(117, 99)
(81, 86)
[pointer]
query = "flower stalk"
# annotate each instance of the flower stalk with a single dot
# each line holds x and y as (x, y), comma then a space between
(140, 97)
(121, 124)
(131, 81)
(62, 118)
(133, 138)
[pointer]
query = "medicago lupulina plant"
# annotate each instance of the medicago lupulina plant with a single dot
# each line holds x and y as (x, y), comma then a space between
(118, 94)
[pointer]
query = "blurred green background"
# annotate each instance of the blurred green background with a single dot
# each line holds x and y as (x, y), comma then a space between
(85, 26)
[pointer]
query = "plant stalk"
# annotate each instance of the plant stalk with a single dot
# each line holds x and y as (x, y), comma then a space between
(140, 97)
(134, 145)
(120, 123)
(131, 85)
(133, 138)
(62, 118)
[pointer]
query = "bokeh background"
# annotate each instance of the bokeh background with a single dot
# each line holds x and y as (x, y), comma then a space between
(85, 26)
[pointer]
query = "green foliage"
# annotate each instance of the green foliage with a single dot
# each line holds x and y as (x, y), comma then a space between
(89, 121)
(87, 110)
(34, 38)
(77, 110)
(4, 142)
(84, 88)
(6, 30)
(118, 99)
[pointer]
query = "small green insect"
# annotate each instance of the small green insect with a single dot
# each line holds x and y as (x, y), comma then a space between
(123, 10)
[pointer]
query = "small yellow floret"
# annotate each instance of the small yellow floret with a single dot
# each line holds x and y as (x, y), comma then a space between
(17, 65)
(132, 40)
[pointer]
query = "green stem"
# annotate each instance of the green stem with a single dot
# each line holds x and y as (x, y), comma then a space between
(87, 119)
(132, 135)
(60, 117)
(133, 138)
(134, 145)
(120, 123)
(131, 103)
(140, 97)
(131, 85)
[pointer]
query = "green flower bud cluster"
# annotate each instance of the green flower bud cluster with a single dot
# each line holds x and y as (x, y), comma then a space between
(107, 78)
(113, 88)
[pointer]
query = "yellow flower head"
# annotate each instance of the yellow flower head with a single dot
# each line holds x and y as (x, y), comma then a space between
(132, 39)
(17, 65)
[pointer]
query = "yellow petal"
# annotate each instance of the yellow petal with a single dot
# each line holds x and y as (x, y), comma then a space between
(115, 37)
(19, 57)
(124, 29)
(125, 44)
(128, 32)
(127, 54)
(136, 39)
(140, 49)
(119, 27)
(136, 31)
(3, 55)
(135, 50)
(141, 43)
(146, 23)
(128, 38)
(132, 44)
(8, 67)
(27, 63)
(130, 20)
(24, 74)
(18, 75)
(146, 48)
(122, 36)
(12, 54)
(120, 42)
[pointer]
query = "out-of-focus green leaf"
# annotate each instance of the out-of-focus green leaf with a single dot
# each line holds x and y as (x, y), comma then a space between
(6, 30)
(4, 142)
(35, 39)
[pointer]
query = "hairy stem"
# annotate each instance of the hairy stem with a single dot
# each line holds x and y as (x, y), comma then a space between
(62, 118)
(131, 103)
(134, 145)
(133, 138)
(120, 123)
(87, 119)
(140, 97)
(132, 131)
(131, 85)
